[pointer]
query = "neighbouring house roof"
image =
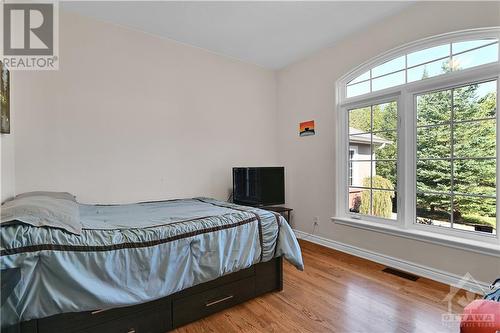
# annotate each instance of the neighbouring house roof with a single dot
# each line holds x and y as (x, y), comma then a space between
(355, 136)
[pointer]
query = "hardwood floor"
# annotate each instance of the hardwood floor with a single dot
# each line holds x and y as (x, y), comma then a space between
(338, 292)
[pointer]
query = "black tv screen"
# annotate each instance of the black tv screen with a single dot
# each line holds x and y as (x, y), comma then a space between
(259, 186)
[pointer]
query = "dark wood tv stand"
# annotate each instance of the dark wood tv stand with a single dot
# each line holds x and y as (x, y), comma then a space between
(281, 210)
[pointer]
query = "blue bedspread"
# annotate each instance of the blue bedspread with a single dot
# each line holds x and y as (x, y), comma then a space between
(130, 254)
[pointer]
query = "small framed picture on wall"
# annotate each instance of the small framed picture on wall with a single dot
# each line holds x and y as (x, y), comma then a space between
(4, 99)
(306, 128)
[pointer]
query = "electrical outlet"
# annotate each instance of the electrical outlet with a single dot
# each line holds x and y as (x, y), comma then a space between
(316, 220)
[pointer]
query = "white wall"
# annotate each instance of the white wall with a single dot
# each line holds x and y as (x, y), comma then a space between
(306, 90)
(132, 117)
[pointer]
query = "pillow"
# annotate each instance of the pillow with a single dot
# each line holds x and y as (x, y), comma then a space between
(43, 209)
(55, 195)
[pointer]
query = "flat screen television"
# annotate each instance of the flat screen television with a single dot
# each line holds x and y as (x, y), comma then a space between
(259, 186)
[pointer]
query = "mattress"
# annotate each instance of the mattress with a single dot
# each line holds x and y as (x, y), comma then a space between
(135, 253)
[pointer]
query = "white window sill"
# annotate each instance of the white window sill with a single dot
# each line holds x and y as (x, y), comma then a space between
(487, 248)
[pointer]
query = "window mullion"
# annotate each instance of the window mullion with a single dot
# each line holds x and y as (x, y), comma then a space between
(400, 166)
(406, 68)
(371, 159)
(497, 155)
(408, 126)
(452, 157)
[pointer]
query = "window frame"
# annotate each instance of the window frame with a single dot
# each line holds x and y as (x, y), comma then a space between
(470, 78)
(405, 96)
(362, 104)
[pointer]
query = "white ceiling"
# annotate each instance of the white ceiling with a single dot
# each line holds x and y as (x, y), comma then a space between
(270, 34)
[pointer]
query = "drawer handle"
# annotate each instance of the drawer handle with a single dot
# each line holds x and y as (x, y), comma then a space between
(219, 301)
(97, 311)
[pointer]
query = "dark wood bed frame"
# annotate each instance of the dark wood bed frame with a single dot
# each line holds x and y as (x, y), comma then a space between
(169, 312)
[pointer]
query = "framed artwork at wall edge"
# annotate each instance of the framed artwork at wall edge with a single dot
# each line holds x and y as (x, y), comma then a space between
(4, 100)
(306, 128)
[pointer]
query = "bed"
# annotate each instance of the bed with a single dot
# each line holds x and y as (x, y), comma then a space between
(171, 261)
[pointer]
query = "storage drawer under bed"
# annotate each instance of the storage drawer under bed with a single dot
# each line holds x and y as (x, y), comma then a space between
(200, 305)
(139, 319)
(142, 322)
(169, 312)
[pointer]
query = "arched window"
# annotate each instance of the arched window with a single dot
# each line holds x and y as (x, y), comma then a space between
(425, 63)
(417, 131)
